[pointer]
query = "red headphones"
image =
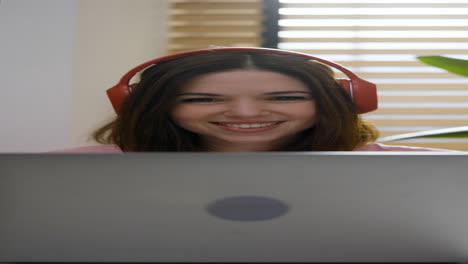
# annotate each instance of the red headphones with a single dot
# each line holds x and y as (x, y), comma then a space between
(363, 93)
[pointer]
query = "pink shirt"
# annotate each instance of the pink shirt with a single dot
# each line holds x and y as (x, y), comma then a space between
(367, 147)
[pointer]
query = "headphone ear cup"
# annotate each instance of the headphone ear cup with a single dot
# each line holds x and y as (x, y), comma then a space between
(345, 84)
(117, 95)
(363, 94)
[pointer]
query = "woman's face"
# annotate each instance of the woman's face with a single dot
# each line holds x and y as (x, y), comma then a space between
(244, 110)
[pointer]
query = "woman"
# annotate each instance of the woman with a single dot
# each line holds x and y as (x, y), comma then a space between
(238, 102)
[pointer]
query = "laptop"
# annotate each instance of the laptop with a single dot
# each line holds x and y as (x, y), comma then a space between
(234, 207)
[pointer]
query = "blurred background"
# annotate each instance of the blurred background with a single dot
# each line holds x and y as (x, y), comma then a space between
(58, 57)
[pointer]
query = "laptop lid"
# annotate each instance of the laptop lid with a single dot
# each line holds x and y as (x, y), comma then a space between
(151, 207)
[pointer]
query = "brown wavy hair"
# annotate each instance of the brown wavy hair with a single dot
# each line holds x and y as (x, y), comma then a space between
(144, 122)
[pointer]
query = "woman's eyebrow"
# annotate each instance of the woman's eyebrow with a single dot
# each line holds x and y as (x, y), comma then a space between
(287, 92)
(203, 94)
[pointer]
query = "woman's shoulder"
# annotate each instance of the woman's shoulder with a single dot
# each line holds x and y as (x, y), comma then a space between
(383, 147)
(91, 149)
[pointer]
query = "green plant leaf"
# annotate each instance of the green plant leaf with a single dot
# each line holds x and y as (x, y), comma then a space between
(452, 132)
(456, 66)
(450, 135)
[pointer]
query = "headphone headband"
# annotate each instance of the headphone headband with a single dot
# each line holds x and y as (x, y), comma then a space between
(363, 93)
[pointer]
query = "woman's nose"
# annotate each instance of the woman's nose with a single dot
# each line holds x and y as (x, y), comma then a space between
(246, 108)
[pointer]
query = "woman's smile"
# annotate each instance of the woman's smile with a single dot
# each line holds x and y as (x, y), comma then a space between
(248, 127)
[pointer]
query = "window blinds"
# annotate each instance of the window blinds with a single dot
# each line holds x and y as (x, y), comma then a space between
(200, 24)
(379, 40)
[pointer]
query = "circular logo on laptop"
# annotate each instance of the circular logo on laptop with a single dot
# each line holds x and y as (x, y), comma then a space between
(247, 208)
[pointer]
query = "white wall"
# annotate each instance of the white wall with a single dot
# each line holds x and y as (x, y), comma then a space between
(57, 58)
(113, 36)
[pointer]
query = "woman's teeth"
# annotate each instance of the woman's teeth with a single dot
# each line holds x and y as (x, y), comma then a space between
(249, 125)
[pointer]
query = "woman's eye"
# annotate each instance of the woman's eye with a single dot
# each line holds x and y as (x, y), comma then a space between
(198, 100)
(288, 98)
